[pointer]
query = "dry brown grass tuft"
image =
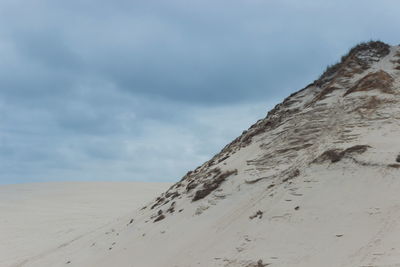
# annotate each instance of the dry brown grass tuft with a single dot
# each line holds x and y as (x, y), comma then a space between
(336, 155)
(352, 60)
(212, 184)
(394, 165)
(379, 80)
(258, 215)
(159, 218)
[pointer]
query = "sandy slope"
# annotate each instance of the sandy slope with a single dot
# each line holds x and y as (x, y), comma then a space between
(344, 218)
(314, 184)
(38, 218)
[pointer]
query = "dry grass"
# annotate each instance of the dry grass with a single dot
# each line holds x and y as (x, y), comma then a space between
(336, 155)
(171, 209)
(258, 215)
(212, 184)
(159, 201)
(381, 49)
(394, 165)
(159, 218)
(292, 174)
(380, 80)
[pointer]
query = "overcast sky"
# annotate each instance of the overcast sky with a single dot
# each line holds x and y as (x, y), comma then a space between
(147, 90)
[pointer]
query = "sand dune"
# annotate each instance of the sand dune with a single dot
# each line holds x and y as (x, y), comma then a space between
(314, 184)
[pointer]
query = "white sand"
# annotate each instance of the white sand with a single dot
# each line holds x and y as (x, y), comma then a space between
(38, 218)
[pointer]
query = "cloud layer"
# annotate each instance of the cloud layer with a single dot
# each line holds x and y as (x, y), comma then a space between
(146, 90)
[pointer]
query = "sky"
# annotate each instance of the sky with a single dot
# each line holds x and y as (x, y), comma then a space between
(148, 90)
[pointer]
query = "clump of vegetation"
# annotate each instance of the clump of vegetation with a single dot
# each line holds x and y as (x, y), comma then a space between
(223, 158)
(258, 215)
(380, 50)
(380, 80)
(395, 166)
(336, 155)
(212, 184)
(160, 216)
(292, 174)
(171, 208)
(172, 195)
(190, 186)
(159, 201)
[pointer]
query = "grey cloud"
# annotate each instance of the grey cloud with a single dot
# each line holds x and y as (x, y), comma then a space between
(147, 90)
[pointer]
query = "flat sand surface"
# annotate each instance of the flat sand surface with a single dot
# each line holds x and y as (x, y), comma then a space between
(38, 218)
